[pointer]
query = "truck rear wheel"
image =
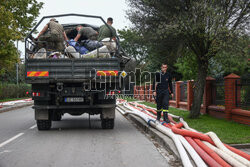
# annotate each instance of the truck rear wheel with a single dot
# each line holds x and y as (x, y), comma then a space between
(43, 124)
(108, 123)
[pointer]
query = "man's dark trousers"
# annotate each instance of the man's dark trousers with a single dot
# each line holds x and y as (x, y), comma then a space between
(162, 100)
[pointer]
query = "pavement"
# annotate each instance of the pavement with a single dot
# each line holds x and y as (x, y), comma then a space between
(20, 118)
(71, 142)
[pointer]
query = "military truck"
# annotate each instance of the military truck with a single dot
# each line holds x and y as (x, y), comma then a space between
(73, 85)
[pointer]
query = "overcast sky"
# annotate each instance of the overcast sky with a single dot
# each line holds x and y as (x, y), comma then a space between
(104, 8)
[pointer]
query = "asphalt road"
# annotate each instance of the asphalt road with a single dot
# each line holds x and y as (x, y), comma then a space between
(72, 143)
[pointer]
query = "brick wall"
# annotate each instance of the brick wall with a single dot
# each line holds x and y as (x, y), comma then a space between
(229, 111)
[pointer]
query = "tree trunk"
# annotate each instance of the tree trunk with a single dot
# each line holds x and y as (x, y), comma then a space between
(199, 89)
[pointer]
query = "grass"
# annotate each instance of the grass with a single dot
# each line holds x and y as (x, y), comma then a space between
(129, 99)
(13, 99)
(228, 131)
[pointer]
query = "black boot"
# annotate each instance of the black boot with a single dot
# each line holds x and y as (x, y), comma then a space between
(158, 115)
(165, 117)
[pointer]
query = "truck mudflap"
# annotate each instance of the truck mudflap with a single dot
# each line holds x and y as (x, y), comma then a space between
(74, 106)
(108, 113)
(41, 114)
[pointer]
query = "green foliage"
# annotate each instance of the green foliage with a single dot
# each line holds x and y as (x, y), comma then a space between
(233, 59)
(187, 66)
(133, 44)
(203, 28)
(13, 91)
(17, 17)
(10, 75)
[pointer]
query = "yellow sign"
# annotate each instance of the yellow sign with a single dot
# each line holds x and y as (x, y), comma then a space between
(123, 74)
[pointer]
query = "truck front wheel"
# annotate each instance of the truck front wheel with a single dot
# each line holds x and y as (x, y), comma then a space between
(43, 124)
(108, 123)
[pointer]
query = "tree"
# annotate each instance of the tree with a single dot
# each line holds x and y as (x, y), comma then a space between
(146, 56)
(133, 44)
(229, 60)
(204, 28)
(17, 17)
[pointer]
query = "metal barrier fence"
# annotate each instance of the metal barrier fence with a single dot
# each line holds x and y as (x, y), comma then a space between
(183, 88)
(218, 92)
(242, 95)
(173, 83)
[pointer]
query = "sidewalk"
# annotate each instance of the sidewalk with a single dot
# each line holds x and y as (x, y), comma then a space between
(10, 105)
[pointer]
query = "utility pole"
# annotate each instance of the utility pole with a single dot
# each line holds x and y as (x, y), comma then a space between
(17, 73)
(17, 69)
(17, 64)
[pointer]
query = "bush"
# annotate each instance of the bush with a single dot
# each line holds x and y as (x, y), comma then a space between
(8, 91)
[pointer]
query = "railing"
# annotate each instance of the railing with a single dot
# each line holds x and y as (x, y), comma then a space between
(173, 84)
(218, 92)
(183, 88)
(242, 94)
(223, 98)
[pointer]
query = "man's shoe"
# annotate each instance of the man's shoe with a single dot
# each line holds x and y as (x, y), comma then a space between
(167, 121)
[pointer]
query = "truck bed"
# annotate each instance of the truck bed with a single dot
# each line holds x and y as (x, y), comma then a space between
(68, 70)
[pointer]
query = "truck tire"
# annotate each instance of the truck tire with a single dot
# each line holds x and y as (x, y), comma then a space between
(108, 123)
(43, 124)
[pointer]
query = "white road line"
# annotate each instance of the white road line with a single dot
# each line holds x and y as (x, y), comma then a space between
(11, 139)
(32, 127)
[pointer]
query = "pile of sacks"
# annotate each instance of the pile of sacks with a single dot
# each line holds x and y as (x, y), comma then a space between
(86, 49)
(90, 49)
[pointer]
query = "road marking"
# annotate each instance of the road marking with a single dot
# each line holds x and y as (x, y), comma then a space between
(5, 151)
(11, 139)
(32, 127)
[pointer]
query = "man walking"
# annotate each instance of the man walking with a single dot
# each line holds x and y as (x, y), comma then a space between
(162, 88)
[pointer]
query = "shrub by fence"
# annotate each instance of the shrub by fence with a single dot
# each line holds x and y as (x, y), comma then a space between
(8, 91)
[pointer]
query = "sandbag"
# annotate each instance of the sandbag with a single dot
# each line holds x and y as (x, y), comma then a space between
(40, 54)
(111, 44)
(91, 44)
(80, 49)
(103, 53)
(71, 52)
(55, 55)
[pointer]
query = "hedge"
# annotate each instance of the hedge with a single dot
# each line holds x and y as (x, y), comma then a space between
(8, 90)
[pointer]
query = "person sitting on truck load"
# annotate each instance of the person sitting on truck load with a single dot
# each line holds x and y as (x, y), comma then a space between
(53, 34)
(88, 32)
(104, 31)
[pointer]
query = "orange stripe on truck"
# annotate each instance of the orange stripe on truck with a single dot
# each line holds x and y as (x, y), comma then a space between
(107, 73)
(37, 74)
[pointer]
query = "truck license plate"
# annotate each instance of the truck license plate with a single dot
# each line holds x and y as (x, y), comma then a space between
(73, 99)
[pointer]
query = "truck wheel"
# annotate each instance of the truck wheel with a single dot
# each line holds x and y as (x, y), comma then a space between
(108, 123)
(43, 124)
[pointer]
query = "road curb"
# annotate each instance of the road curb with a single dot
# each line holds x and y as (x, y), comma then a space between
(166, 142)
(16, 106)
